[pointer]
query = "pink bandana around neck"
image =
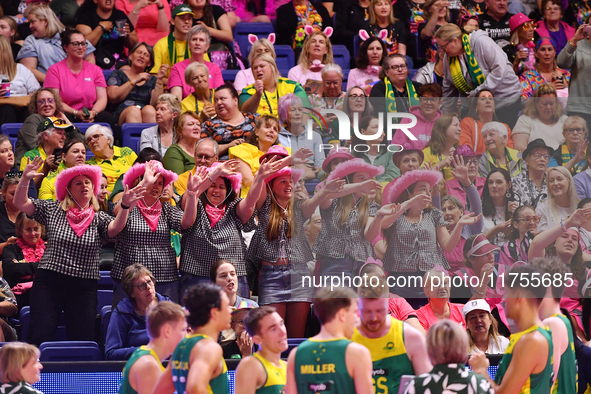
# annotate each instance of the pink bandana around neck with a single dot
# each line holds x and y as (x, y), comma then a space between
(150, 214)
(80, 219)
(214, 214)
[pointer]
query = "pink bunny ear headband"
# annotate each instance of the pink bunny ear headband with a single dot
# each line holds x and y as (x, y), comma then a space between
(253, 38)
(309, 30)
(382, 35)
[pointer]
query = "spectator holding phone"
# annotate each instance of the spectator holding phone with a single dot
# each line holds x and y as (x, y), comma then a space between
(545, 71)
(149, 17)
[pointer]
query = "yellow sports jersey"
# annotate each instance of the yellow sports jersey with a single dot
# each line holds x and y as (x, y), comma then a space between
(276, 376)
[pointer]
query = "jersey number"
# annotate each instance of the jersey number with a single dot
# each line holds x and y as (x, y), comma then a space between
(380, 384)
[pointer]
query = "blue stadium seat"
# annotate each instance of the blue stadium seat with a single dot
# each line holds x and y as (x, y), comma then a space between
(229, 75)
(311, 185)
(242, 30)
(11, 130)
(45, 345)
(105, 282)
(356, 45)
(131, 134)
(84, 126)
(341, 57)
(285, 58)
(77, 353)
(105, 297)
(25, 320)
(107, 73)
(106, 313)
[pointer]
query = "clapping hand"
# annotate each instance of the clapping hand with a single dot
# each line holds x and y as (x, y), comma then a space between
(580, 153)
(259, 86)
(162, 71)
(301, 156)
(132, 196)
(208, 111)
(244, 342)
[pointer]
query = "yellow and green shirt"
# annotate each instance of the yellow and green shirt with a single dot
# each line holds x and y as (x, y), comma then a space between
(47, 189)
(39, 151)
(124, 385)
(190, 103)
(566, 381)
(276, 376)
(122, 160)
(268, 104)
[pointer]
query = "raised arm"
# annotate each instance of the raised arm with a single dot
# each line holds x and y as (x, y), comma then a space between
(449, 241)
(460, 172)
(193, 190)
(330, 190)
(128, 201)
(385, 217)
(21, 200)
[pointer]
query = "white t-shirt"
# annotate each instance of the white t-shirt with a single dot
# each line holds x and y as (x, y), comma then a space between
(547, 218)
(24, 83)
(552, 135)
(492, 346)
(488, 222)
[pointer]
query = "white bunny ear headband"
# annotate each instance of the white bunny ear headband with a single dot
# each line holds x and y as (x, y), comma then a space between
(382, 35)
(309, 30)
(253, 38)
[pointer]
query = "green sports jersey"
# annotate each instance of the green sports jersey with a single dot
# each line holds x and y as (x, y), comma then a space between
(566, 381)
(180, 367)
(276, 376)
(320, 367)
(124, 385)
(389, 358)
(540, 383)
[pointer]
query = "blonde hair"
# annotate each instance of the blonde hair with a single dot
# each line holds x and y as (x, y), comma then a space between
(54, 26)
(69, 202)
(271, 60)
(13, 357)
(493, 332)
(181, 123)
(11, 22)
(7, 64)
(448, 32)
(191, 69)
(427, 10)
(304, 59)
(572, 194)
(529, 109)
(372, 13)
(447, 343)
(259, 43)
(574, 120)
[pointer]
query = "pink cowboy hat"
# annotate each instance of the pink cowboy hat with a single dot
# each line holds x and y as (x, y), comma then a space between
(408, 148)
(278, 150)
(295, 174)
(138, 170)
(235, 179)
(396, 187)
(65, 177)
(336, 153)
(518, 20)
(353, 166)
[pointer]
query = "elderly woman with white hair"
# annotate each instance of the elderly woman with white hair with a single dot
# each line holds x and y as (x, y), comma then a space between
(447, 346)
(497, 153)
(201, 99)
(571, 154)
(161, 136)
(562, 198)
(113, 160)
(332, 96)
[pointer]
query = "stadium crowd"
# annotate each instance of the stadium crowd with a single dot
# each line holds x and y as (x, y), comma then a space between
(239, 202)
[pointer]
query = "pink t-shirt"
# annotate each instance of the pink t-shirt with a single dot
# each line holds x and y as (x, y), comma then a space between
(299, 75)
(399, 308)
(146, 26)
(177, 76)
(243, 79)
(76, 90)
(363, 79)
(428, 318)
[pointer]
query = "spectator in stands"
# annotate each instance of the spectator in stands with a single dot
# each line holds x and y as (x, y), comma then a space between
(20, 367)
(431, 72)
(543, 117)
(546, 71)
(254, 11)
(447, 345)
(575, 56)
(454, 188)
(215, 20)
(259, 45)
(495, 21)
(127, 329)
(316, 54)
(8, 212)
(144, 156)
(182, 21)
(482, 111)
(294, 17)
(426, 113)
(530, 186)
(7, 169)
(179, 156)
(199, 41)
(162, 136)
(437, 285)
(23, 84)
(73, 154)
(497, 154)
(562, 198)
(147, 235)
(374, 151)
(230, 127)
(150, 18)
(381, 17)
(134, 90)
(498, 204)
(524, 224)
(482, 329)
(98, 22)
(223, 274)
(397, 90)
(43, 47)
(571, 154)
(410, 12)
(113, 160)
(66, 279)
(239, 343)
(206, 153)
(45, 103)
(583, 179)
(200, 100)
(292, 134)
(469, 22)
(103, 196)
(444, 140)
(552, 26)
(585, 228)
(369, 64)
(20, 260)
(335, 156)
(520, 50)
(332, 95)
(260, 142)
(436, 14)
(66, 10)
(81, 84)
(492, 70)
(220, 206)
(262, 96)
(8, 30)
(408, 159)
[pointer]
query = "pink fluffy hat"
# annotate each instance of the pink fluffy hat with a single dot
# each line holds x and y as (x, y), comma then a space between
(294, 173)
(235, 179)
(396, 187)
(353, 166)
(65, 177)
(138, 170)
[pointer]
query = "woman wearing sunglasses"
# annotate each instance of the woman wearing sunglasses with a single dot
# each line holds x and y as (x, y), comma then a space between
(469, 23)
(520, 51)
(552, 26)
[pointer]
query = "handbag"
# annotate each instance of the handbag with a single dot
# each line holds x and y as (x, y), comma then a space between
(104, 59)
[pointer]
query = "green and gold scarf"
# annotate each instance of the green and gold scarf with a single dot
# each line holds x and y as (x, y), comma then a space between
(172, 49)
(413, 97)
(567, 156)
(474, 70)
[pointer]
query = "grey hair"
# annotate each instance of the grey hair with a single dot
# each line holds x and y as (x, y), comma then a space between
(447, 343)
(173, 102)
(39, 138)
(97, 128)
(332, 67)
(575, 120)
(498, 126)
(196, 30)
(192, 68)
(216, 147)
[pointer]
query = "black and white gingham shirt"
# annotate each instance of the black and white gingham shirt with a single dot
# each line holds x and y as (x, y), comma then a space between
(65, 252)
(297, 247)
(202, 245)
(336, 240)
(137, 243)
(413, 247)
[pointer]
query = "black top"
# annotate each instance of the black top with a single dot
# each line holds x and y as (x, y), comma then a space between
(217, 14)
(15, 48)
(497, 30)
(7, 229)
(411, 14)
(350, 18)
(474, 8)
(10, 7)
(397, 34)
(402, 103)
(16, 270)
(575, 12)
(23, 31)
(111, 42)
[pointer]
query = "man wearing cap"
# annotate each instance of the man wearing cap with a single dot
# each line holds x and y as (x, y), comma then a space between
(530, 184)
(173, 48)
(239, 343)
(565, 363)
(482, 329)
